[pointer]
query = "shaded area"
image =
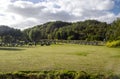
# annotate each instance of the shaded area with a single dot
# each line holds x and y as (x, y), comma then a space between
(116, 56)
(11, 49)
(81, 53)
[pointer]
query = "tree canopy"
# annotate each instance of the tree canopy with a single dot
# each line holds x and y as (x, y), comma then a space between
(90, 30)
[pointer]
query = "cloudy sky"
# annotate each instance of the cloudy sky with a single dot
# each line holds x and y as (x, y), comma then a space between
(26, 13)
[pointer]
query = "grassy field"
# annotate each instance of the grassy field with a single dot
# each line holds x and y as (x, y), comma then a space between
(92, 59)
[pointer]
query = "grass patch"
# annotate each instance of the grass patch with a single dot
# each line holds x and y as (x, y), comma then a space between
(92, 59)
(82, 53)
(116, 56)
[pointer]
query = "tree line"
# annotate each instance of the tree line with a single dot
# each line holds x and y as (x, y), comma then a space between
(89, 30)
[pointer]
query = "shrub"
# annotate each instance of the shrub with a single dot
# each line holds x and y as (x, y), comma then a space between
(82, 75)
(42, 75)
(56, 75)
(113, 43)
(67, 75)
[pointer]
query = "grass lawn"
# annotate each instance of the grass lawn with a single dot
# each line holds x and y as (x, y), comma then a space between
(92, 59)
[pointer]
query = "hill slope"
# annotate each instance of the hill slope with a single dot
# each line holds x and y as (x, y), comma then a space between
(86, 30)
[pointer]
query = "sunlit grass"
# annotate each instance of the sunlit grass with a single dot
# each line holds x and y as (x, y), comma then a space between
(61, 57)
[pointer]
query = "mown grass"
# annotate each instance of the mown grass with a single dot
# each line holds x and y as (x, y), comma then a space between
(81, 53)
(91, 59)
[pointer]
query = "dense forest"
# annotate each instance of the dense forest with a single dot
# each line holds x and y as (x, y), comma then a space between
(90, 30)
(87, 30)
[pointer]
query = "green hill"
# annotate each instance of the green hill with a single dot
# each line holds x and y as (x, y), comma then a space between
(86, 30)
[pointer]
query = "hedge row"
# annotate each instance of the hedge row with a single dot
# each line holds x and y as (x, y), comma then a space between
(55, 75)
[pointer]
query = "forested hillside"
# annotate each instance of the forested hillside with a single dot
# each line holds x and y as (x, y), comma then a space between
(86, 30)
(90, 30)
(8, 35)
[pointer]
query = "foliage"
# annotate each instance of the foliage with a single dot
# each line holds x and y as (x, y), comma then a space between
(87, 30)
(56, 75)
(113, 43)
(9, 35)
(113, 32)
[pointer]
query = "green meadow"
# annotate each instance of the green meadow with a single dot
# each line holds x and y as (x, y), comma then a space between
(91, 59)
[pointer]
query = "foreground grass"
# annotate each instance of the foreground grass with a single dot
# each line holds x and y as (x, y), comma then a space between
(55, 75)
(91, 59)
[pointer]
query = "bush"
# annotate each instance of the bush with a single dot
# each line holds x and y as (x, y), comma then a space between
(113, 43)
(82, 75)
(67, 75)
(42, 76)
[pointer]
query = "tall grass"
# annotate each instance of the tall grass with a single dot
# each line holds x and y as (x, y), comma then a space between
(56, 75)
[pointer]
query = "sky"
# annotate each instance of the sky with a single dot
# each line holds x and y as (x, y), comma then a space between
(22, 14)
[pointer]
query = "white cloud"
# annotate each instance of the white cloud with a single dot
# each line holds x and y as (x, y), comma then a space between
(22, 14)
(118, 15)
